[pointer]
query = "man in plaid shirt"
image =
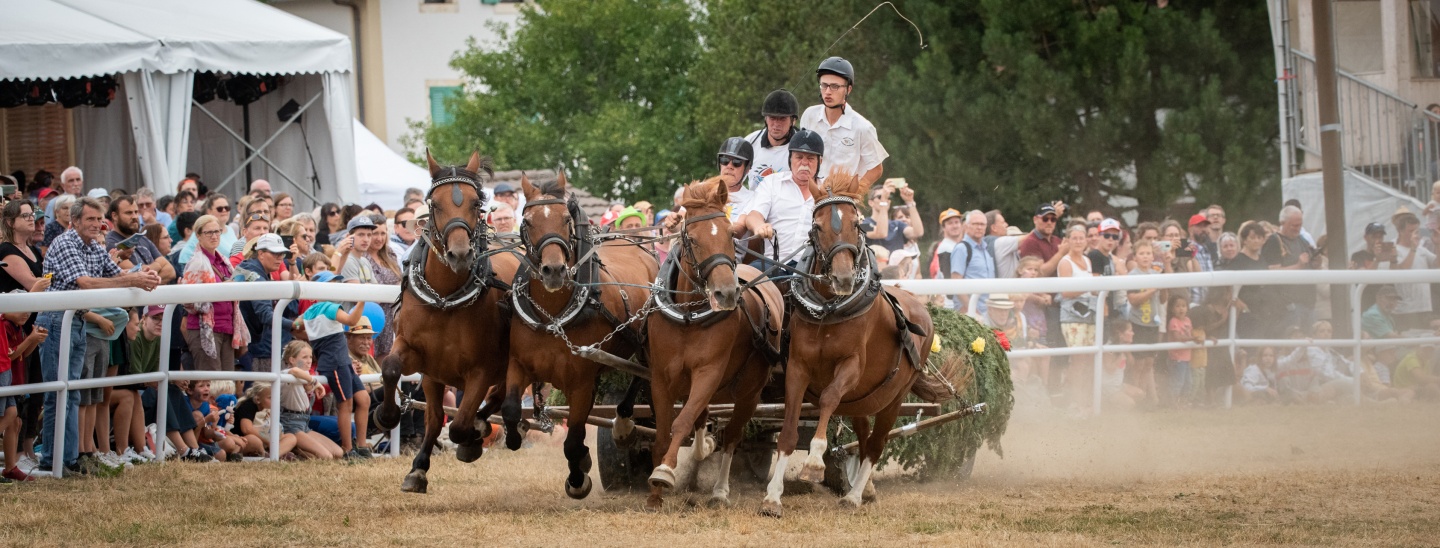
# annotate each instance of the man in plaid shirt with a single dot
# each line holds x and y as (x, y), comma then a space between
(77, 260)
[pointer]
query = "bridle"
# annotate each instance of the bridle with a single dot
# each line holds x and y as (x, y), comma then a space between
(699, 271)
(825, 256)
(478, 275)
(533, 248)
(476, 232)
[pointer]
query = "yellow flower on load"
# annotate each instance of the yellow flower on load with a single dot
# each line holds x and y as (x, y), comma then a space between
(935, 344)
(978, 345)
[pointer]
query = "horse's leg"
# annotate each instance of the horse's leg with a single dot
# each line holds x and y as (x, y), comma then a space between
(582, 399)
(704, 443)
(861, 425)
(624, 424)
(388, 417)
(462, 430)
(515, 380)
(797, 379)
(691, 419)
(415, 481)
(847, 374)
(870, 454)
(734, 433)
(662, 404)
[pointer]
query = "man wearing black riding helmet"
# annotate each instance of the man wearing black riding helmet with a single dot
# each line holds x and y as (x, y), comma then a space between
(781, 112)
(849, 137)
(782, 202)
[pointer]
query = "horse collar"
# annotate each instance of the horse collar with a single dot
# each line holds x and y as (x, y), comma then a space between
(830, 311)
(466, 294)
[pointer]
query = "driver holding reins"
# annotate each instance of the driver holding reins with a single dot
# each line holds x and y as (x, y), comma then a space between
(782, 204)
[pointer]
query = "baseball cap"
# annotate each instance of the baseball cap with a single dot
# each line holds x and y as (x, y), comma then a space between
(1375, 228)
(47, 191)
(1046, 208)
(1109, 224)
(362, 327)
(947, 214)
(1000, 301)
(327, 276)
(503, 188)
(154, 310)
(98, 193)
(360, 221)
(271, 242)
(1199, 218)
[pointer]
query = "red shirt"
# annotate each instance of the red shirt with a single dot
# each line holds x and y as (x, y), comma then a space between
(10, 337)
(1033, 245)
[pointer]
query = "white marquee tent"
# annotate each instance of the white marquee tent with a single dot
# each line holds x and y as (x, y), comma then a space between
(155, 48)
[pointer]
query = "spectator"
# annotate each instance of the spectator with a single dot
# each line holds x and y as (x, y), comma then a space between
(1146, 314)
(1252, 298)
(185, 224)
(255, 426)
(14, 349)
(1203, 251)
(1331, 371)
(1211, 321)
(1378, 321)
(72, 183)
(1414, 309)
(1116, 392)
(404, 236)
(58, 223)
(23, 261)
(1077, 316)
(297, 399)
(1180, 329)
(1294, 379)
(213, 331)
(387, 271)
(217, 206)
(324, 324)
(1103, 261)
(102, 326)
(952, 230)
(208, 433)
(1304, 234)
(1000, 315)
(1004, 242)
(503, 219)
(265, 259)
(1376, 251)
(1228, 246)
(1092, 236)
(1032, 307)
(1375, 378)
(149, 215)
(1094, 216)
(413, 194)
(897, 231)
(1416, 371)
(302, 238)
(260, 187)
(1216, 215)
(1293, 305)
(160, 238)
(1048, 247)
(1257, 383)
(78, 260)
(361, 342)
(124, 216)
(184, 203)
(256, 224)
(191, 185)
(971, 260)
(505, 194)
(332, 225)
(284, 207)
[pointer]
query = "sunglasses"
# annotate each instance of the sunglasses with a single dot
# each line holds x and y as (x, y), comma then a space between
(1048, 219)
(222, 209)
(329, 213)
(1110, 236)
(258, 217)
(732, 162)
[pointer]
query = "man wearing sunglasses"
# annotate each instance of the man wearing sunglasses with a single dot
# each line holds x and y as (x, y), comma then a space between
(850, 141)
(1043, 242)
(771, 145)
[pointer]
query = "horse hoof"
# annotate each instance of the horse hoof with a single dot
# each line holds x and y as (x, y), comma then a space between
(812, 474)
(663, 477)
(415, 482)
(469, 453)
(868, 496)
(719, 502)
(513, 439)
(654, 503)
(622, 428)
(485, 429)
(848, 502)
(387, 420)
(771, 509)
(580, 492)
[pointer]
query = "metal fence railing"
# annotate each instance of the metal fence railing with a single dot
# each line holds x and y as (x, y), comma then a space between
(284, 292)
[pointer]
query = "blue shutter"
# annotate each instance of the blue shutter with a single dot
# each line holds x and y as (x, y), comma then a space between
(439, 114)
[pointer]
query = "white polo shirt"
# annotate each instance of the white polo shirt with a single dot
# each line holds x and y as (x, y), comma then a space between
(768, 160)
(779, 201)
(850, 144)
(739, 199)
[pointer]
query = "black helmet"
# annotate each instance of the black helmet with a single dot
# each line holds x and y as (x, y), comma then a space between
(780, 103)
(805, 140)
(839, 67)
(737, 147)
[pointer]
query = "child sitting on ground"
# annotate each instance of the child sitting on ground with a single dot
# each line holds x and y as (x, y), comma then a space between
(296, 400)
(253, 423)
(208, 433)
(1257, 382)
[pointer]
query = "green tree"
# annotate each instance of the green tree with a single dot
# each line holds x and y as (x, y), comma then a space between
(600, 87)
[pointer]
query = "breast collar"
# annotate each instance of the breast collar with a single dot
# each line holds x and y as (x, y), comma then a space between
(577, 245)
(670, 271)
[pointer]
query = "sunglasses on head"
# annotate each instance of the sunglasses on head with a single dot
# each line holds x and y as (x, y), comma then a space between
(733, 162)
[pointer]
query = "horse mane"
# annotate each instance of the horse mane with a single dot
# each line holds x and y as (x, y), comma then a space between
(703, 194)
(552, 189)
(845, 184)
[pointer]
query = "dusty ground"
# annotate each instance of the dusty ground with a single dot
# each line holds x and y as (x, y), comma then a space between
(1293, 475)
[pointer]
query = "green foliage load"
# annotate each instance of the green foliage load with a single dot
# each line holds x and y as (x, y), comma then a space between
(1011, 101)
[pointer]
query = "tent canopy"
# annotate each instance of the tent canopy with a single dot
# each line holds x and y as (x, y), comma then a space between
(383, 174)
(157, 47)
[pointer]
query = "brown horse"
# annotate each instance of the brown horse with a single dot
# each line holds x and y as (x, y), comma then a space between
(569, 293)
(700, 348)
(449, 326)
(856, 347)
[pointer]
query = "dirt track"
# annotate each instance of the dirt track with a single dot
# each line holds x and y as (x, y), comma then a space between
(1298, 475)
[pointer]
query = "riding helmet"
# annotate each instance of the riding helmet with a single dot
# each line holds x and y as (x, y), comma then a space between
(805, 140)
(736, 147)
(780, 103)
(839, 67)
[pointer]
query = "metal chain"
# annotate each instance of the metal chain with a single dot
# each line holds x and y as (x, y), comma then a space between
(558, 330)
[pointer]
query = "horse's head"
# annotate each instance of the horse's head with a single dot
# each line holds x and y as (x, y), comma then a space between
(706, 233)
(548, 231)
(835, 231)
(455, 202)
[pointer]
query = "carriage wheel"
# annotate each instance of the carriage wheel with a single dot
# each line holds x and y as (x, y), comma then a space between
(622, 468)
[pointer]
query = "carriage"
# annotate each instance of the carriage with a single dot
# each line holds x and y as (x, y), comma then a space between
(747, 359)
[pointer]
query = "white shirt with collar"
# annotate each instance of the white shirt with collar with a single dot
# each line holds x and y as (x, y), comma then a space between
(781, 203)
(850, 144)
(768, 160)
(738, 201)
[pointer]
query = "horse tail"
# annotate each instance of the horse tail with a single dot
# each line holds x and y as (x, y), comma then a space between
(943, 382)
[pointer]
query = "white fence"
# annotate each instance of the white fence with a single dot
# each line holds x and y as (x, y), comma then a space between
(284, 292)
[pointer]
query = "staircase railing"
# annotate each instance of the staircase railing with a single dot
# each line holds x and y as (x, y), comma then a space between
(1383, 136)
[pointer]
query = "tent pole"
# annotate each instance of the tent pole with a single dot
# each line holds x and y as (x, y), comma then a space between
(245, 109)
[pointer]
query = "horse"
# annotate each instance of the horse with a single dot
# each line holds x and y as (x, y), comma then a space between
(699, 347)
(569, 293)
(856, 347)
(451, 283)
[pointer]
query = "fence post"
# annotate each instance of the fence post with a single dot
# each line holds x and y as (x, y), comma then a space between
(277, 365)
(1356, 332)
(1099, 310)
(1229, 390)
(162, 390)
(62, 398)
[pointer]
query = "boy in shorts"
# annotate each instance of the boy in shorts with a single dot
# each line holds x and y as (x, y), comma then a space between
(324, 324)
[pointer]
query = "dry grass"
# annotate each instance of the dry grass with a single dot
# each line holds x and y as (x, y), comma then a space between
(1294, 476)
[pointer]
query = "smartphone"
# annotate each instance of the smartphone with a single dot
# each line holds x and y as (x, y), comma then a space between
(898, 183)
(287, 241)
(1387, 247)
(1185, 250)
(8, 190)
(1164, 246)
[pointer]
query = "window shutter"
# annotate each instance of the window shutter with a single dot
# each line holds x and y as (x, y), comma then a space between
(36, 138)
(439, 115)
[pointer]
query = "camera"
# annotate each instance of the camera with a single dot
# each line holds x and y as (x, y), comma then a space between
(1185, 250)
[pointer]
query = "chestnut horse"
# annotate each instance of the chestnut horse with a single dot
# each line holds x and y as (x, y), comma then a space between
(856, 347)
(450, 327)
(570, 292)
(700, 348)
